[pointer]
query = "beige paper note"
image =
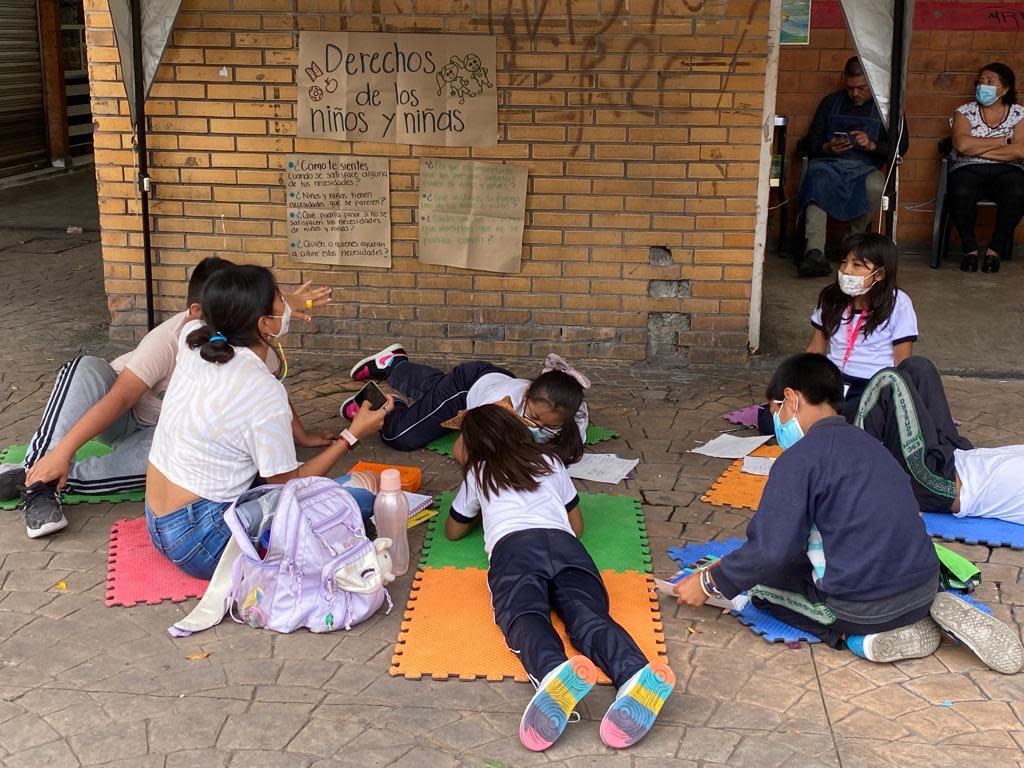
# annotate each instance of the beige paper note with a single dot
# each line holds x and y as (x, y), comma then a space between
(435, 90)
(339, 210)
(471, 214)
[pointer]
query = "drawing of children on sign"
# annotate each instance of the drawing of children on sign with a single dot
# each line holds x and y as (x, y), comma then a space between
(458, 86)
(475, 68)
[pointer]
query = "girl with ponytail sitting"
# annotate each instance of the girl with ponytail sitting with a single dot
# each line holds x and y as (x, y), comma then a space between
(226, 420)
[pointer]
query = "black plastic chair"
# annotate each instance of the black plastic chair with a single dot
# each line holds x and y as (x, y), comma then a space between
(943, 221)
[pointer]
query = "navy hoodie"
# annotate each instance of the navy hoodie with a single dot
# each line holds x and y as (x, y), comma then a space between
(845, 482)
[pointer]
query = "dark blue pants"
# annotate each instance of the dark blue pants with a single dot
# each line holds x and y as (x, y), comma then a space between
(540, 570)
(437, 396)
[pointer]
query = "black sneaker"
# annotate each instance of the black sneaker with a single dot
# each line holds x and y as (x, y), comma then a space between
(990, 264)
(813, 264)
(378, 365)
(43, 514)
(12, 480)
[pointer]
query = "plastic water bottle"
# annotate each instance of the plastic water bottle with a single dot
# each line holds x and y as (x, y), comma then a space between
(391, 512)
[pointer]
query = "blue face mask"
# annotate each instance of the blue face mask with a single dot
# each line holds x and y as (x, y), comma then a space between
(787, 434)
(986, 95)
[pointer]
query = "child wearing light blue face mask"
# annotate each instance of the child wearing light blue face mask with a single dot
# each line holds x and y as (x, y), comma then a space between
(836, 547)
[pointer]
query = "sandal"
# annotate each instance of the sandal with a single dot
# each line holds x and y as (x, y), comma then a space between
(969, 263)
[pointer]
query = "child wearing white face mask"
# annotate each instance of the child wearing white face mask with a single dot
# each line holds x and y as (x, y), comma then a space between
(226, 420)
(863, 321)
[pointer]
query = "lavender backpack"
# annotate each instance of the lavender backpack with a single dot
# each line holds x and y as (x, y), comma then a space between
(317, 541)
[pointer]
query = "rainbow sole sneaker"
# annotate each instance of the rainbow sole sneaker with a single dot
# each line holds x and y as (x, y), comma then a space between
(634, 710)
(548, 712)
(376, 366)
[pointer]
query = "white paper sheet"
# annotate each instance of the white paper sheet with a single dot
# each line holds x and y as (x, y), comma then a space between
(602, 468)
(757, 465)
(738, 603)
(730, 446)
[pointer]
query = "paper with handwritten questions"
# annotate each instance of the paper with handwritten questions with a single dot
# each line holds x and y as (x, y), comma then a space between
(339, 210)
(471, 214)
(436, 90)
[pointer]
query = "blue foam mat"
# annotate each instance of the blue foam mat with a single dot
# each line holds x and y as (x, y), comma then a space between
(974, 530)
(756, 620)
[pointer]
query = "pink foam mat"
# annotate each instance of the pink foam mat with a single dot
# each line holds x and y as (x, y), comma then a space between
(137, 573)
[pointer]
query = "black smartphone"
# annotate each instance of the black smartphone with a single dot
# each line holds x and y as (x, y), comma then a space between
(372, 393)
(841, 135)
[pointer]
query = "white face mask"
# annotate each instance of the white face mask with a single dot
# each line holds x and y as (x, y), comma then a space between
(854, 285)
(285, 320)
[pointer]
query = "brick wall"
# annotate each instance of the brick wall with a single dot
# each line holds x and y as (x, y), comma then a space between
(947, 49)
(638, 121)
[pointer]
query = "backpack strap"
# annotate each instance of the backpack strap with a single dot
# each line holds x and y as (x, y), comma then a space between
(214, 604)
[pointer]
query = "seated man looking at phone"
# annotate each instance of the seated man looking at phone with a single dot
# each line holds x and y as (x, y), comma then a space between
(848, 144)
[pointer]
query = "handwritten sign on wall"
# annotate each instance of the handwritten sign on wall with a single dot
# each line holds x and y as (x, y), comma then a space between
(436, 90)
(471, 214)
(339, 210)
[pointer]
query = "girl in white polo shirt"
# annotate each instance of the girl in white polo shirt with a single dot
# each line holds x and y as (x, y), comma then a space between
(863, 321)
(226, 419)
(531, 518)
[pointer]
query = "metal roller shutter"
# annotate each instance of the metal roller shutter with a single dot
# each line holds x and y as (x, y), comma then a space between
(22, 119)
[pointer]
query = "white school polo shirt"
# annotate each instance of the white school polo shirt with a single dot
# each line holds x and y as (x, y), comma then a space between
(494, 387)
(991, 482)
(508, 511)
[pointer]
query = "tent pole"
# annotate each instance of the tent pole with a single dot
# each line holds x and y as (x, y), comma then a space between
(143, 155)
(895, 106)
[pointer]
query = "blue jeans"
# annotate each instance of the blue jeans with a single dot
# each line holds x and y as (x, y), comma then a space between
(192, 537)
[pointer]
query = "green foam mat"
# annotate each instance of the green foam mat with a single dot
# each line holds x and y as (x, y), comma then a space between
(613, 533)
(446, 442)
(15, 454)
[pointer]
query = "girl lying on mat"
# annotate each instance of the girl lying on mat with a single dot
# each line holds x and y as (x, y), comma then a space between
(552, 403)
(226, 419)
(906, 408)
(531, 517)
(836, 547)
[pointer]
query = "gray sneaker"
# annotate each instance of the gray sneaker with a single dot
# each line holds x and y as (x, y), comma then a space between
(43, 514)
(12, 479)
(992, 641)
(913, 641)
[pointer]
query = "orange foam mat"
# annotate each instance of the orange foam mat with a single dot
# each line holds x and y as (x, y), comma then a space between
(449, 628)
(736, 489)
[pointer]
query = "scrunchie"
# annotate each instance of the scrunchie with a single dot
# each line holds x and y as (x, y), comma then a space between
(555, 362)
(218, 337)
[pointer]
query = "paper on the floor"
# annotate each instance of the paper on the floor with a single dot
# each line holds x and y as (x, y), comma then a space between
(757, 465)
(738, 603)
(602, 468)
(730, 446)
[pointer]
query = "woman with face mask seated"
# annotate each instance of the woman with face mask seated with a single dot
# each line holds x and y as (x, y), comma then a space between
(988, 161)
(226, 420)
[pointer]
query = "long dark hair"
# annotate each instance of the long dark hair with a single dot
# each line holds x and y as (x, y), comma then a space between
(881, 253)
(234, 300)
(500, 451)
(563, 394)
(1006, 77)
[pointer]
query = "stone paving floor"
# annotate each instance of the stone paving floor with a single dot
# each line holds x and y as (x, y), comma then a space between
(83, 684)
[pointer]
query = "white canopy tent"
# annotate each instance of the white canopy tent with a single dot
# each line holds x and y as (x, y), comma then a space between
(881, 31)
(142, 29)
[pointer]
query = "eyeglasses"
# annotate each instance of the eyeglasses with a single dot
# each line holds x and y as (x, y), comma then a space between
(548, 431)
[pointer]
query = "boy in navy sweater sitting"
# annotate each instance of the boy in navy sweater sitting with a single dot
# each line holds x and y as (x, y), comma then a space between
(837, 547)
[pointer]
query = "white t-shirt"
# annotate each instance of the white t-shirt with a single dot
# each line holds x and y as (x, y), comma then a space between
(222, 424)
(493, 387)
(871, 354)
(507, 511)
(982, 130)
(991, 482)
(153, 362)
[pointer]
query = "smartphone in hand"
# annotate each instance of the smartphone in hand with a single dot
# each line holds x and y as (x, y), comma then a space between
(372, 393)
(841, 136)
